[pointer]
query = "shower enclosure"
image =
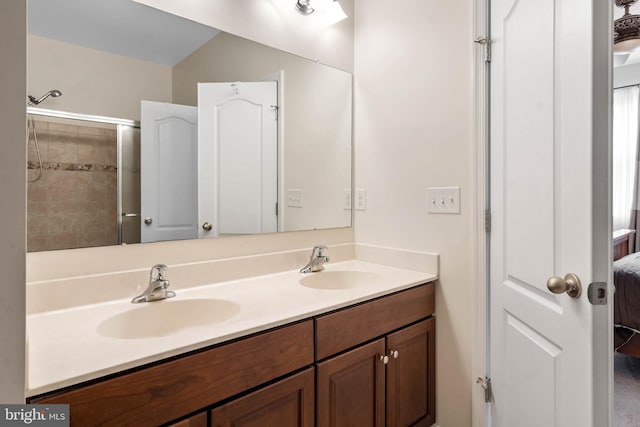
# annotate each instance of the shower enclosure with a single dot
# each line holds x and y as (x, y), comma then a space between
(89, 191)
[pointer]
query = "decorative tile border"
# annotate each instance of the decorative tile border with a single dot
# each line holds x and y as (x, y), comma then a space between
(77, 167)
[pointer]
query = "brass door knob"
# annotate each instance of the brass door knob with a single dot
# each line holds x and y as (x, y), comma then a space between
(570, 284)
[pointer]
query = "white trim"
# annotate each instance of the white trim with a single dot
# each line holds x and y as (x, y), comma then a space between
(480, 203)
(601, 101)
(85, 117)
(278, 76)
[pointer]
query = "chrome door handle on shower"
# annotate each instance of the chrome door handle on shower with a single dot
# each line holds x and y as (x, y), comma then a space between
(130, 215)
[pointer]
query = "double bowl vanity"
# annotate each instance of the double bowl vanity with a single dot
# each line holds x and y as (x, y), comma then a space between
(354, 342)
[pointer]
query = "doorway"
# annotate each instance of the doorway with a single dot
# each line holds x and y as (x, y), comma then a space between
(584, 101)
(626, 256)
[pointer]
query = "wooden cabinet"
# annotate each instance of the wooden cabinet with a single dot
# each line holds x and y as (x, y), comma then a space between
(355, 325)
(168, 391)
(324, 371)
(354, 386)
(411, 376)
(287, 403)
(351, 388)
(388, 382)
(199, 420)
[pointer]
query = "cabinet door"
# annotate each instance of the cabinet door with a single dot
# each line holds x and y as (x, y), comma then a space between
(287, 403)
(411, 376)
(350, 388)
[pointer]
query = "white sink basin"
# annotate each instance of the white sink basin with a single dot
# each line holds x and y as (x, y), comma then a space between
(161, 318)
(338, 279)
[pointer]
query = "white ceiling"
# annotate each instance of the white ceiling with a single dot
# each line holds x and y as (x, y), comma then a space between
(122, 27)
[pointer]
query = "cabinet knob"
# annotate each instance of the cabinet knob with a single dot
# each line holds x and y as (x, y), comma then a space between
(384, 359)
(394, 353)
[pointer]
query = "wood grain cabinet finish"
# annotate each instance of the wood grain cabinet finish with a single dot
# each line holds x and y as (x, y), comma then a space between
(411, 374)
(167, 391)
(351, 388)
(356, 387)
(352, 326)
(199, 420)
(287, 403)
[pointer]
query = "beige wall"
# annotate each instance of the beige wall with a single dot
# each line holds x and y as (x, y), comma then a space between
(275, 23)
(316, 118)
(12, 193)
(94, 82)
(413, 128)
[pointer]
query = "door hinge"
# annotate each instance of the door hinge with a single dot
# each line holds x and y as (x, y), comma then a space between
(486, 43)
(276, 108)
(485, 383)
(487, 221)
(276, 208)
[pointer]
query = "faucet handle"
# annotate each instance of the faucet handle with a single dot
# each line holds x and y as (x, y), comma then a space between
(157, 272)
(318, 250)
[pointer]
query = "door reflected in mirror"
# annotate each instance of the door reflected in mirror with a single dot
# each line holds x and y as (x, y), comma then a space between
(101, 179)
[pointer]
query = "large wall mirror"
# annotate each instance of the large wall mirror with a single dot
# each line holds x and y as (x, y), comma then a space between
(145, 127)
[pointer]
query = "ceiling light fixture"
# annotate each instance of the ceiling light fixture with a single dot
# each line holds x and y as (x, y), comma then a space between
(626, 29)
(304, 7)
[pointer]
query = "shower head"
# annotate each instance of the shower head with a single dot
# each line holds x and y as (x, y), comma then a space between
(33, 101)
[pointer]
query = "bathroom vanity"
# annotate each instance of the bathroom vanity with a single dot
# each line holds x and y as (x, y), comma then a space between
(369, 362)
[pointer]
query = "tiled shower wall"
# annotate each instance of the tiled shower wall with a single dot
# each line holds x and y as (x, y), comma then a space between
(74, 204)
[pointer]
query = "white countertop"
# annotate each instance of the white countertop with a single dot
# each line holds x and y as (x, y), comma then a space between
(69, 346)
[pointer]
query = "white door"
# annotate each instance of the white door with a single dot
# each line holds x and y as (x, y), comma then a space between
(237, 133)
(550, 216)
(168, 171)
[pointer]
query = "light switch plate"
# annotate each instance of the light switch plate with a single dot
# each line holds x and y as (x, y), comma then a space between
(347, 199)
(443, 200)
(361, 199)
(295, 198)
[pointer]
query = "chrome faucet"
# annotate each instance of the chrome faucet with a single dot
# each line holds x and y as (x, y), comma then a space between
(157, 288)
(316, 261)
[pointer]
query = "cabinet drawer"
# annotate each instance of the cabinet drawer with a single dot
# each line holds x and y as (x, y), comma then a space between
(287, 403)
(199, 420)
(164, 392)
(349, 327)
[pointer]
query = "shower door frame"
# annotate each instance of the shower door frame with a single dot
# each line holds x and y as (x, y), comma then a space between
(120, 123)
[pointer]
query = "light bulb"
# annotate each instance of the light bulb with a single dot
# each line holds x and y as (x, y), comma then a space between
(626, 46)
(334, 13)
